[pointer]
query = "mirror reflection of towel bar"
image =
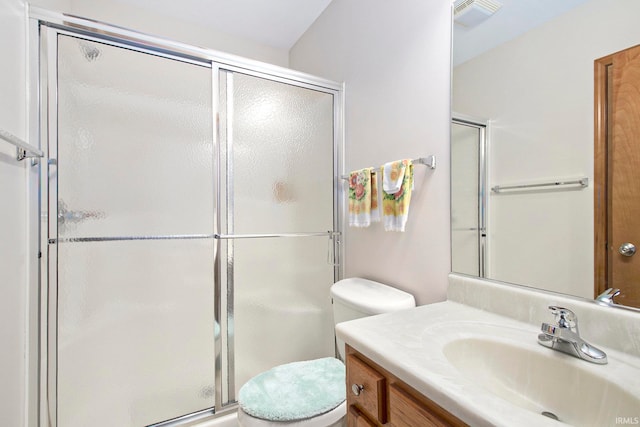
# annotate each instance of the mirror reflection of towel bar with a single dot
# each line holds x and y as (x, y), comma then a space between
(582, 182)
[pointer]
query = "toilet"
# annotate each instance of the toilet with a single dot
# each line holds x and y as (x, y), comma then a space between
(312, 393)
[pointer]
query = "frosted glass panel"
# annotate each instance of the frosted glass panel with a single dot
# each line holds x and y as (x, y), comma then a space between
(282, 304)
(282, 157)
(134, 158)
(135, 143)
(277, 146)
(465, 175)
(135, 332)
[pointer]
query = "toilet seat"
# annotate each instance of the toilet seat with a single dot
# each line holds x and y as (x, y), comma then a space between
(308, 393)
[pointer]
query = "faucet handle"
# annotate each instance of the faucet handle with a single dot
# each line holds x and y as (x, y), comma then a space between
(565, 318)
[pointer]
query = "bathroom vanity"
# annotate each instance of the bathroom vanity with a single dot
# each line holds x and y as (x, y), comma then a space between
(376, 397)
(475, 360)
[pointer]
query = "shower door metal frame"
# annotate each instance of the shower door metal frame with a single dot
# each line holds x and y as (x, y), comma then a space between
(44, 27)
(483, 127)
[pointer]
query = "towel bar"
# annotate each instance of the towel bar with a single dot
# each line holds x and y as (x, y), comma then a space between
(24, 150)
(582, 182)
(429, 161)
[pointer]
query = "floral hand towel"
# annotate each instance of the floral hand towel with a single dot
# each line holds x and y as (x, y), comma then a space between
(363, 198)
(393, 176)
(395, 205)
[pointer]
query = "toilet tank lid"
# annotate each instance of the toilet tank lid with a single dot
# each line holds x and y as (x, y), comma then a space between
(371, 297)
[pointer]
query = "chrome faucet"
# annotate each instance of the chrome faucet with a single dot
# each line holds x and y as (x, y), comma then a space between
(606, 298)
(564, 336)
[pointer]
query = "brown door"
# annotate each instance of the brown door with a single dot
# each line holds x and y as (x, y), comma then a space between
(617, 174)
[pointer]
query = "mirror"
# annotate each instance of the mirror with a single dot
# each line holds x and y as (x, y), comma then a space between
(523, 94)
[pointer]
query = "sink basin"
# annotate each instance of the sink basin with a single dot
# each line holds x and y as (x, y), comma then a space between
(488, 370)
(544, 381)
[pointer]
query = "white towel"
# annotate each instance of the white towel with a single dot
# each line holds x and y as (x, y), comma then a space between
(392, 176)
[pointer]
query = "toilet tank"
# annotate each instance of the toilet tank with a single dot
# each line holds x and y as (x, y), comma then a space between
(355, 297)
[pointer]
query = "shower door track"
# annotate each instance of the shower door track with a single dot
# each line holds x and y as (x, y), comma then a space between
(44, 26)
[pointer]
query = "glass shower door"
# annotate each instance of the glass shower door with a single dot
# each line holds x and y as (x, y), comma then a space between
(131, 236)
(468, 231)
(277, 142)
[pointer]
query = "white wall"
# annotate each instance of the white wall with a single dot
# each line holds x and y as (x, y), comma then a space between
(13, 298)
(538, 92)
(394, 58)
(17, 335)
(151, 22)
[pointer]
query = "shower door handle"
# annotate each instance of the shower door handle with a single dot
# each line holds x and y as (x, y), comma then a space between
(70, 216)
(275, 235)
(332, 249)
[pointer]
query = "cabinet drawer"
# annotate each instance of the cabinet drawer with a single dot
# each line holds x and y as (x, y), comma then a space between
(366, 389)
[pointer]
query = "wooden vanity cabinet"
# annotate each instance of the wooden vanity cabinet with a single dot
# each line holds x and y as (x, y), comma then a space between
(376, 398)
(357, 418)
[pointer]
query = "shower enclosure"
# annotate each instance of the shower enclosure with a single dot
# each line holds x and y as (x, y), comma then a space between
(191, 229)
(468, 196)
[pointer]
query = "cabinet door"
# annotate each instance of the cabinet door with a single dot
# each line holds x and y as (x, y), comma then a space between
(408, 412)
(366, 388)
(356, 418)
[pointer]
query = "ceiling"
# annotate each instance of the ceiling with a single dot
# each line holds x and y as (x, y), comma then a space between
(515, 18)
(280, 23)
(275, 23)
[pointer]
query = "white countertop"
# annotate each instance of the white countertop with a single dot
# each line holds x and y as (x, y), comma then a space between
(410, 345)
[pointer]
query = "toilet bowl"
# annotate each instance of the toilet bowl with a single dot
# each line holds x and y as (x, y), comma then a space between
(313, 393)
(333, 418)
